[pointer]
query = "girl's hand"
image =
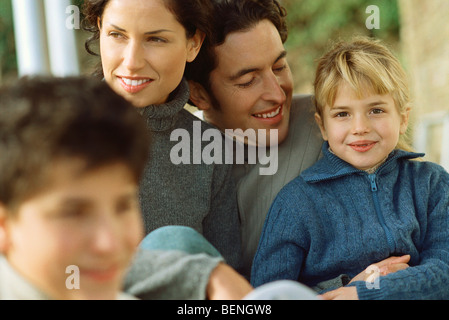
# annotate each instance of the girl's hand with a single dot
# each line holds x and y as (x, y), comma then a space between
(387, 266)
(370, 274)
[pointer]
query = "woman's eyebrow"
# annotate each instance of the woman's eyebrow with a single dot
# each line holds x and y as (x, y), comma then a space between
(146, 33)
(117, 27)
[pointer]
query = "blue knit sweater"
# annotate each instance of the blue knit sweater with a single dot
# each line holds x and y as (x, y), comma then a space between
(335, 219)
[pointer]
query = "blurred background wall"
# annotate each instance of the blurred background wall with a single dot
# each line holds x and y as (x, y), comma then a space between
(425, 48)
(416, 30)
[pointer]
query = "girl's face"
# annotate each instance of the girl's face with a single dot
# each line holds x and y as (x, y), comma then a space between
(144, 50)
(362, 131)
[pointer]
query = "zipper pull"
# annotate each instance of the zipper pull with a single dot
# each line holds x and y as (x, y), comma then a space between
(372, 178)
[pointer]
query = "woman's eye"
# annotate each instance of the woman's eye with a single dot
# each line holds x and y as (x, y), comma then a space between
(156, 40)
(115, 35)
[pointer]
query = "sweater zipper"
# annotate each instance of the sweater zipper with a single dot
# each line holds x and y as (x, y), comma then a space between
(372, 178)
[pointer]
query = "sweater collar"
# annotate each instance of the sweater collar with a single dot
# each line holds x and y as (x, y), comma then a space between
(163, 117)
(331, 167)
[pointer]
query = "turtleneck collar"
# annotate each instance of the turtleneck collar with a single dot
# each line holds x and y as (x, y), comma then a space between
(162, 117)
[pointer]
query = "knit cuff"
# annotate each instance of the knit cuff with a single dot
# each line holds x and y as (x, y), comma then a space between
(368, 291)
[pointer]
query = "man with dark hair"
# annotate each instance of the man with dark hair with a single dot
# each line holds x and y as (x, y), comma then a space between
(242, 79)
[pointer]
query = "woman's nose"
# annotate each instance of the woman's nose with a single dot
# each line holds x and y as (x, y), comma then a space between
(134, 57)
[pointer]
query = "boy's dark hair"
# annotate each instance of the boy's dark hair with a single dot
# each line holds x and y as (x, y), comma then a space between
(231, 16)
(45, 119)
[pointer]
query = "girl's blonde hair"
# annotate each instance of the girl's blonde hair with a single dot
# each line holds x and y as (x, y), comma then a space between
(367, 66)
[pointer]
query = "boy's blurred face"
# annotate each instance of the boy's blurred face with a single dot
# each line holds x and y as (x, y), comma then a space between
(87, 219)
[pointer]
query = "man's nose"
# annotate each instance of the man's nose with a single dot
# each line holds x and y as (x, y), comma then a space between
(273, 91)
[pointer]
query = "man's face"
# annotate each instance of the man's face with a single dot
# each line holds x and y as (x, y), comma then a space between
(252, 83)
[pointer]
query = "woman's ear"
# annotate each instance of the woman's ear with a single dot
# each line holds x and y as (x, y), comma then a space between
(199, 96)
(194, 45)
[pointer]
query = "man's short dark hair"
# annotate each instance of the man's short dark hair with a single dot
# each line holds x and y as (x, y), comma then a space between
(44, 119)
(231, 16)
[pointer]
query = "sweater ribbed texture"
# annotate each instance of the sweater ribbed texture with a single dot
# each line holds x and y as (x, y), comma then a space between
(199, 196)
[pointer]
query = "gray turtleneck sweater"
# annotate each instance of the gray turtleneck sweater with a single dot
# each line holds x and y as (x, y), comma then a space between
(199, 196)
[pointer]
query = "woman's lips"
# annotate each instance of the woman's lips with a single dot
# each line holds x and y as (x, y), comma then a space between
(134, 85)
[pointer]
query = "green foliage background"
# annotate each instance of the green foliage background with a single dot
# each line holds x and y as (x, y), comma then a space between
(7, 48)
(313, 25)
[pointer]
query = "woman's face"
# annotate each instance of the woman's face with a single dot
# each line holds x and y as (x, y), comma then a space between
(144, 50)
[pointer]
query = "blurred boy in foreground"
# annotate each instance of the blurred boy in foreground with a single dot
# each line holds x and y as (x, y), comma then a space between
(72, 153)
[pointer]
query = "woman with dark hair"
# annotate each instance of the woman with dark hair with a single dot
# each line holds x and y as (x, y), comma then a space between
(144, 49)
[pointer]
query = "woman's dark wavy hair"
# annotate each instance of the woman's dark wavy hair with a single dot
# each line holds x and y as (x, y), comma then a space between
(193, 15)
(234, 16)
